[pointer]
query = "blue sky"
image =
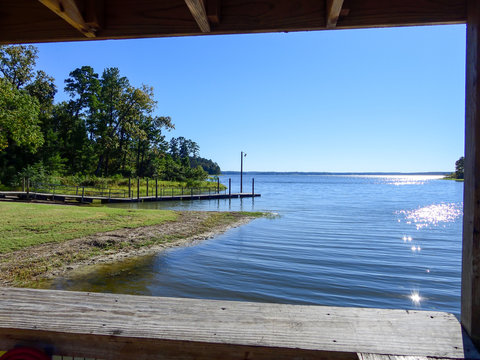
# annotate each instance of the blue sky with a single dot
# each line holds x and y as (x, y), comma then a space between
(340, 101)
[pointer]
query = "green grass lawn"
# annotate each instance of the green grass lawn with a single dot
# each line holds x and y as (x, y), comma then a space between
(23, 225)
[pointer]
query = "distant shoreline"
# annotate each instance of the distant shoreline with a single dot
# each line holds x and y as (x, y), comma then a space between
(440, 173)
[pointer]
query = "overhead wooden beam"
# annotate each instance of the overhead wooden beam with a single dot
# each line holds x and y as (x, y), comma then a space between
(334, 7)
(213, 11)
(197, 8)
(68, 11)
(470, 315)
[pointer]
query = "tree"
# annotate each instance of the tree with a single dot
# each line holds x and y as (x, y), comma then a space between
(459, 164)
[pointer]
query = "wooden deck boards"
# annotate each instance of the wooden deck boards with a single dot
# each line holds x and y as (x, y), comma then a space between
(113, 326)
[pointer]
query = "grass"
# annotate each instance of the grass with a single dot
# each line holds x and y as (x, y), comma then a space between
(23, 225)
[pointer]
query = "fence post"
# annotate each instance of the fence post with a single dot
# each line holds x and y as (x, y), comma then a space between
(76, 192)
(129, 187)
(191, 192)
(138, 188)
(156, 188)
(83, 192)
(109, 193)
(147, 186)
(253, 187)
(23, 185)
(172, 191)
(229, 187)
(218, 185)
(28, 188)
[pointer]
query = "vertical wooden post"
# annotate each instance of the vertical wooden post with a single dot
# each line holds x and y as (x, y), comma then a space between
(129, 187)
(229, 187)
(83, 192)
(23, 185)
(253, 187)
(218, 185)
(156, 188)
(470, 314)
(28, 188)
(138, 188)
(147, 186)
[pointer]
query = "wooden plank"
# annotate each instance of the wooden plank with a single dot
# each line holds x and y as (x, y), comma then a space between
(68, 11)
(213, 11)
(334, 7)
(197, 8)
(364, 356)
(23, 21)
(471, 219)
(74, 323)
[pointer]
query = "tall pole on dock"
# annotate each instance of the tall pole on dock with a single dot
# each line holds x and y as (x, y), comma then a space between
(241, 171)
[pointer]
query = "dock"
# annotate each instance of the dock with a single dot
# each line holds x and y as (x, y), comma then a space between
(23, 195)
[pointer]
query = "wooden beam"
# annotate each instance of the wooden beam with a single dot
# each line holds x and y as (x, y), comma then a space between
(213, 11)
(470, 316)
(113, 326)
(197, 8)
(334, 7)
(68, 11)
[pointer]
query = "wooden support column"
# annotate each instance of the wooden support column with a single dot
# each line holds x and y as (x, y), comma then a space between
(470, 316)
(69, 11)
(197, 8)
(334, 7)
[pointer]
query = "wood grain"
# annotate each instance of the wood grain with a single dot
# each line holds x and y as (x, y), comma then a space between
(23, 21)
(68, 11)
(334, 7)
(71, 322)
(471, 218)
(197, 8)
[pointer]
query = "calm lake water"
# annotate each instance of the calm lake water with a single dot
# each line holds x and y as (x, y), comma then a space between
(368, 241)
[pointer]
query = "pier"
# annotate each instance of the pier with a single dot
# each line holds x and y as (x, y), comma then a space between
(23, 195)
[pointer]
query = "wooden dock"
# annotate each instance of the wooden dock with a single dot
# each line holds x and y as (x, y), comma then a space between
(112, 326)
(23, 195)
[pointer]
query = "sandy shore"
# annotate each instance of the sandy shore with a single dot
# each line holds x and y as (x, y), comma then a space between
(31, 266)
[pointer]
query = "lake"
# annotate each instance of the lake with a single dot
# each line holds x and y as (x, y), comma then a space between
(384, 241)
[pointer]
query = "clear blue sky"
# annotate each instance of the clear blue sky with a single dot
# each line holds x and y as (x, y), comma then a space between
(340, 101)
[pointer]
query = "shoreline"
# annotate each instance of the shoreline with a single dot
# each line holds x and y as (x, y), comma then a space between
(38, 266)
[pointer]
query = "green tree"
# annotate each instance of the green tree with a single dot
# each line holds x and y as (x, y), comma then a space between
(459, 165)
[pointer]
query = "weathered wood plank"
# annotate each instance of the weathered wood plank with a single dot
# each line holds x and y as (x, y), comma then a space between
(68, 11)
(471, 218)
(73, 322)
(363, 356)
(197, 8)
(333, 12)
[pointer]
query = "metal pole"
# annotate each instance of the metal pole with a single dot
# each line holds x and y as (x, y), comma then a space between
(138, 189)
(241, 172)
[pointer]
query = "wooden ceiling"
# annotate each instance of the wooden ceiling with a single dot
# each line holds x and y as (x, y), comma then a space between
(31, 21)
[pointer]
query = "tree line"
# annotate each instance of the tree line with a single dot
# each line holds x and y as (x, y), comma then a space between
(106, 128)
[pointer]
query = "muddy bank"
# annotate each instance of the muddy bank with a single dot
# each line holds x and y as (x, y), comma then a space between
(34, 265)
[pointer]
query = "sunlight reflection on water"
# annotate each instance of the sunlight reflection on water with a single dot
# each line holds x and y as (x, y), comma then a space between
(432, 215)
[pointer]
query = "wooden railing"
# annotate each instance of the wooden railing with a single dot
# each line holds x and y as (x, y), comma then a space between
(110, 326)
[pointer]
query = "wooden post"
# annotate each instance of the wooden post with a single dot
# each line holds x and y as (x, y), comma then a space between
(138, 189)
(23, 185)
(129, 187)
(28, 188)
(147, 186)
(229, 187)
(253, 187)
(218, 185)
(156, 188)
(470, 309)
(83, 192)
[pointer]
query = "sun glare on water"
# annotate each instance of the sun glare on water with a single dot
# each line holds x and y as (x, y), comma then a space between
(432, 215)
